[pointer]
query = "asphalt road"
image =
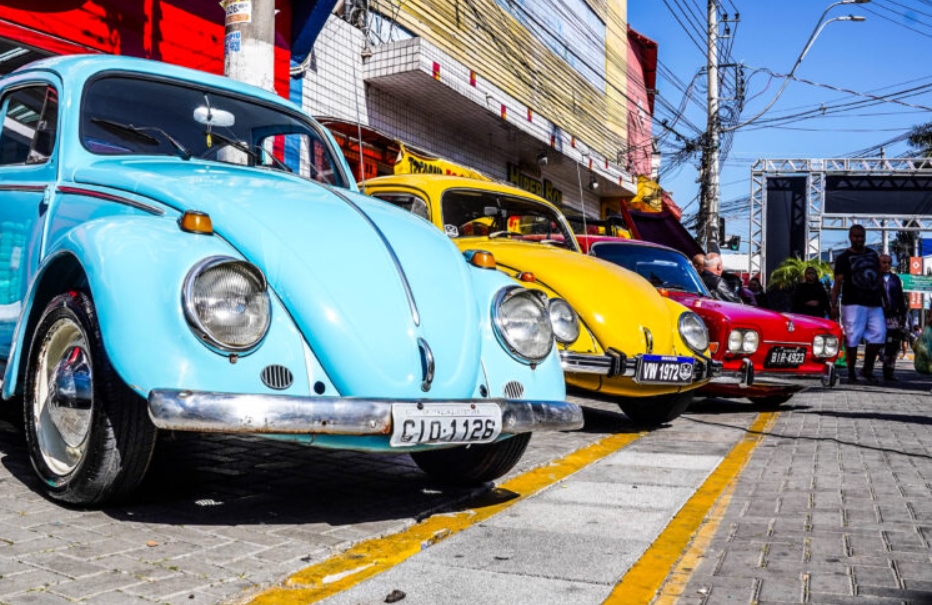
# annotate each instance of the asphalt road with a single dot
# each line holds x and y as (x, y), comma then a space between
(601, 515)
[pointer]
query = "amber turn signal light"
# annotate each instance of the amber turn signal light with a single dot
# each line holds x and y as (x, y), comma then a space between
(713, 347)
(527, 276)
(481, 259)
(193, 221)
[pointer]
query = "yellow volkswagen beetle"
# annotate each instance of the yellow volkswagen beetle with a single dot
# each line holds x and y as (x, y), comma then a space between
(627, 340)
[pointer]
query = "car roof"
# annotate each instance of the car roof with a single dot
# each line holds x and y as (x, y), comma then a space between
(83, 67)
(462, 182)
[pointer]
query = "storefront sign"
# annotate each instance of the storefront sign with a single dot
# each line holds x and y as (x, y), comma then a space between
(413, 163)
(916, 283)
(544, 189)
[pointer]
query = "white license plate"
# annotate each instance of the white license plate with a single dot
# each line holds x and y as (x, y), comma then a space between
(418, 423)
(663, 369)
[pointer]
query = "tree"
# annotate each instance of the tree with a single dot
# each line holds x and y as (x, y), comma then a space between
(920, 139)
(790, 272)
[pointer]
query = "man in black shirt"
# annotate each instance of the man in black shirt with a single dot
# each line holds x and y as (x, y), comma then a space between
(858, 280)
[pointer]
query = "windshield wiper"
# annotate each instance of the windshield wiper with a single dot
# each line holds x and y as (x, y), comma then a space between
(140, 134)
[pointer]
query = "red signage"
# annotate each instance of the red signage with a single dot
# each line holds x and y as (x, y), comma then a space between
(915, 265)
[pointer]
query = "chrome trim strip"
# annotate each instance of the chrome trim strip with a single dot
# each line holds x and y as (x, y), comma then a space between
(27, 188)
(429, 362)
(391, 251)
(787, 342)
(204, 411)
(111, 198)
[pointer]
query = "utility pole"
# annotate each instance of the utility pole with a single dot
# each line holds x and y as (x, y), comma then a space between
(249, 42)
(711, 147)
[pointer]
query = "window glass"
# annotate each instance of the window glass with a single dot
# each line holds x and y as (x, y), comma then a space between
(471, 213)
(662, 268)
(411, 203)
(134, 116)
(30, 121)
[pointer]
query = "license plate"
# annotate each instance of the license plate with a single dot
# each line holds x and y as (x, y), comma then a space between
(661, 369)
(419, 423)
(785, 357)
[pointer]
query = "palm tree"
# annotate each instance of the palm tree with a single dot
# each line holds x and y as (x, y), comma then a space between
(790, 272)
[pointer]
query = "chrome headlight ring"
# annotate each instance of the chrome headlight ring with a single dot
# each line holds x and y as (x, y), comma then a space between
(825, 345)
(694, 333)
(743, 341)
(226, 303)
(521, 322)
(564, 321)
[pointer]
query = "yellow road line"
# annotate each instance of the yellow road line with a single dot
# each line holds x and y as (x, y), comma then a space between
(645, 578)
(372, 557)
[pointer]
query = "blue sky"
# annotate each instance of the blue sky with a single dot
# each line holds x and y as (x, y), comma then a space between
(890, 51)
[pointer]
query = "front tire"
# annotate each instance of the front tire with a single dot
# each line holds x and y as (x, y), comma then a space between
(657, 410)
(89, 435)
(472, 464)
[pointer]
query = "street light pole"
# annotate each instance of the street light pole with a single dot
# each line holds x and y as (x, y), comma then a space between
(709, 197)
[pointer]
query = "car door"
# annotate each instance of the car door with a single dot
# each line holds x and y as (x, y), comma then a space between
(29, 118)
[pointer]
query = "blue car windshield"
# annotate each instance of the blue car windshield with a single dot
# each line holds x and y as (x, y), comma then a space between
(662, 268)
(131, 115)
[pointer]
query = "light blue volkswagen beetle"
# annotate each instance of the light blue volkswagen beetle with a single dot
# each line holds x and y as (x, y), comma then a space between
(180, 251)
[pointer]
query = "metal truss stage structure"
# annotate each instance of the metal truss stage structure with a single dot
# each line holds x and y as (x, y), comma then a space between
(883, 194)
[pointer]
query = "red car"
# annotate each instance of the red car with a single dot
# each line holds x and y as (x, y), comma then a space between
(767, 356)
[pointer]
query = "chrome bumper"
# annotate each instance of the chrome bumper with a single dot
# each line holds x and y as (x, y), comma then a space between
(746, 377)
(282, 414)
(615, 363)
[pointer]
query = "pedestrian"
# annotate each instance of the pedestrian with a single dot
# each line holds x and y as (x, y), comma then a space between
(699, 262)
(894, 313)
(859, 285)
(757, 289)
(712, 277)
(810, 297)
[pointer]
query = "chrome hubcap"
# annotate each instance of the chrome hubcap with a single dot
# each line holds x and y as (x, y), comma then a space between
(63, 397)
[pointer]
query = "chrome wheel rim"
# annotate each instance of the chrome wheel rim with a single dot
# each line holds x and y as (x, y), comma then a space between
(63, 397)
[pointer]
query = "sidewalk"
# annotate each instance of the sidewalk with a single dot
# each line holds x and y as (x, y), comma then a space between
(834, 508)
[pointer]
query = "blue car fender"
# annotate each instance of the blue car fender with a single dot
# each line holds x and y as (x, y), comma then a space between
(544, 381)
(135, 269)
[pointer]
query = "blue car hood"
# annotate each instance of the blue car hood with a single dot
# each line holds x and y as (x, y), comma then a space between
(334, 273)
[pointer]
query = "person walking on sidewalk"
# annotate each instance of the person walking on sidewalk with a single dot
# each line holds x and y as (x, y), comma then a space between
(859, 283)
(895, 314)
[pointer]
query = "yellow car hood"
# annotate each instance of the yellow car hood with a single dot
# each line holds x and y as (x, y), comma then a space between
(614, 303)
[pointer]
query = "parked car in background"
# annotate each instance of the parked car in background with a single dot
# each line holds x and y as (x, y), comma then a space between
(628, 341)
(767, 356)
(181, 251)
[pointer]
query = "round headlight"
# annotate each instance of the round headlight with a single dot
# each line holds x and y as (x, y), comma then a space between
(522, 323)
(226, 301)
(564, 321)
(751, 342)
(831, 345)
(694, 332)
(818, 346)
(735, 341)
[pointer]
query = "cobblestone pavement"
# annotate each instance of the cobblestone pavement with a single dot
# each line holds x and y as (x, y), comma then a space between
(219, 515)
(834, 507)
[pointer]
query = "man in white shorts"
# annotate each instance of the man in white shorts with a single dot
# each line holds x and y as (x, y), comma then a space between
(860, 283)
